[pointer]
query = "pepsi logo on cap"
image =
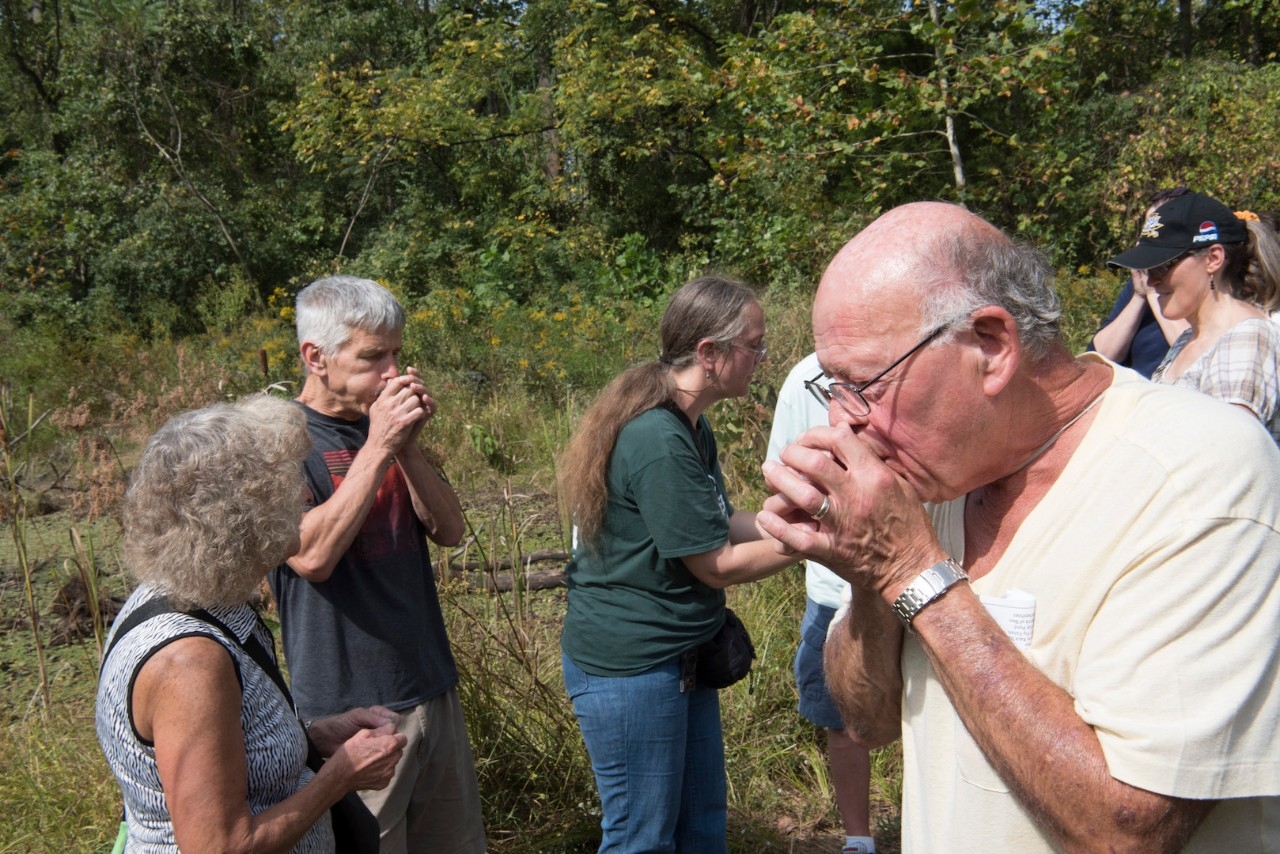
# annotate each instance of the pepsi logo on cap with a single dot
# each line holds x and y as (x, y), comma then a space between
(1208, 232)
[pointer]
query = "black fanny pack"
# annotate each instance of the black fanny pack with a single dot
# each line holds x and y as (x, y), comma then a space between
(727, 657)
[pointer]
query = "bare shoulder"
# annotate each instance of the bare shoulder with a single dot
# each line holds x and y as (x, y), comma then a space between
(190, 677)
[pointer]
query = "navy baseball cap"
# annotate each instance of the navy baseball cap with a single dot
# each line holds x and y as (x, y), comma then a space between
(1188, 222)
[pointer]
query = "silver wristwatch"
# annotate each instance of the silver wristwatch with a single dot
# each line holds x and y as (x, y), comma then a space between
(927, 587)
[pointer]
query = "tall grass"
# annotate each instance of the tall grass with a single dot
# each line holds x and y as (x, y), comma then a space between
(15, 460)
(84, 564)
(509, 390)
(56, 794)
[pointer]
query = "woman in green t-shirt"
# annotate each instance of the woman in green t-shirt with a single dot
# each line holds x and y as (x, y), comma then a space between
(658, 541)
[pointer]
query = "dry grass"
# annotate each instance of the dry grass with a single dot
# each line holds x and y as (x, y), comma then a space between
(56, 793)
(496, 440)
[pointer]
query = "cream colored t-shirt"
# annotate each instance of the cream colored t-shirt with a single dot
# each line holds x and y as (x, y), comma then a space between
(1153, 564)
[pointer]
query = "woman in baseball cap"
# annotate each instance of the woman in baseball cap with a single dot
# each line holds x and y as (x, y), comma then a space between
(1220, 271)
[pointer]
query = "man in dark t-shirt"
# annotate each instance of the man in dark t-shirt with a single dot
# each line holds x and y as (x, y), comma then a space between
(359, 612)
(1147, 343)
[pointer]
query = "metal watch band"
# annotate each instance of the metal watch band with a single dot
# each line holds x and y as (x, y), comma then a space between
(927, 587)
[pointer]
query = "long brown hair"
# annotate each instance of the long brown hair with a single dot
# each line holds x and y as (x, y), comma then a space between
(707, 307)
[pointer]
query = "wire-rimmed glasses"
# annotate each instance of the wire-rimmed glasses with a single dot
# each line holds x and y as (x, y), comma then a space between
(760, 352)
(849, 395)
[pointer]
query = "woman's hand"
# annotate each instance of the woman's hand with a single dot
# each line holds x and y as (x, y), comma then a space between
(370, 756)
(1139, 280)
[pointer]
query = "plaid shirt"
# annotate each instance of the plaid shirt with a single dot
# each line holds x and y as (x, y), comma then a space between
(1242, 367)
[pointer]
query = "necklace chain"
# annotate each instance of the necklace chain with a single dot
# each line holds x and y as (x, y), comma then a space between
(1064, 428)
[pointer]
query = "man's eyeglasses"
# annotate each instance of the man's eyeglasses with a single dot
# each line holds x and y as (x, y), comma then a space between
(849, 395)
(761, 353)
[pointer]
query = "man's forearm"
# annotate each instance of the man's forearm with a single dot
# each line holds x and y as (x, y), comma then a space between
(329, 529)
(863, 667)
(434, 501)
(1115, 339)
(743, 527)
(1028, 729)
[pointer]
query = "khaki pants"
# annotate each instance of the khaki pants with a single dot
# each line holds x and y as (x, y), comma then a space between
(432, 805)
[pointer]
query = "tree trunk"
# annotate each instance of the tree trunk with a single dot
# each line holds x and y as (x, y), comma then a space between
(953, 144)
(1185, 27)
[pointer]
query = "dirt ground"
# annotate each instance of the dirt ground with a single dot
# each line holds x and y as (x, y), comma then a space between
(831, 843)
(818, 843)
(884, 821)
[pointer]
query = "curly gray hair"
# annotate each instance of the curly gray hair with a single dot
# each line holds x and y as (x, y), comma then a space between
(216, 500)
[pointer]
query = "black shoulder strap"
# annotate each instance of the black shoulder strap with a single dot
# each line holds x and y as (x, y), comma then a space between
(151, 608)
(161, 605)
(267, 663)
(256, 651)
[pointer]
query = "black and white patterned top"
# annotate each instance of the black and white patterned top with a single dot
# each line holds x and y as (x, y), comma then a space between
(275, 744)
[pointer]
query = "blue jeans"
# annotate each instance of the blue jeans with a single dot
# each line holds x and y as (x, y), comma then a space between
(658, 759)
(816, 705)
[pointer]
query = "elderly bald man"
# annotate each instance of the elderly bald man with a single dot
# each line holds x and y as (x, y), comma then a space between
(1067, 603)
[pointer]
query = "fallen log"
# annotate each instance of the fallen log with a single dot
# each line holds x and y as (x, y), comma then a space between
(496, 576)
(506, 563)
(542, 579)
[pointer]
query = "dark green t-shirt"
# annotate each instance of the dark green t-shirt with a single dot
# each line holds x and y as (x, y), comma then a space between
(632, 602)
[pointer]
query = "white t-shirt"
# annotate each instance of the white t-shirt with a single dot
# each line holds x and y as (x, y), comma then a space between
(1153, 565)
(797, 411)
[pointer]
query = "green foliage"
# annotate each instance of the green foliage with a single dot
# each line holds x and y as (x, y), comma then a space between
(223, 306)
(1086, 301)
(788, 147)
(552, 347)
(34, 361)
(1118, 44)
(490, 447)
(1248, 29)
(1209, 124)
(53, 232)
(827, 119)
(163, 162)
(634, 87)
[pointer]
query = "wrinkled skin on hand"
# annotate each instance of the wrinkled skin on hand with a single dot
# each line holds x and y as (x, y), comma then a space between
(876, 534)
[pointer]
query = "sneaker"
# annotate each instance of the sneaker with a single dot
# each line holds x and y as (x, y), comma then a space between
(854, 848)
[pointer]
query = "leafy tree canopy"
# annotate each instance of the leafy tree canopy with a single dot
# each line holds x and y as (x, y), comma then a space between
(165, 164)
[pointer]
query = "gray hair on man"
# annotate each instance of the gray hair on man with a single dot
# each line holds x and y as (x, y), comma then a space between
(330, 309)
(983, 267)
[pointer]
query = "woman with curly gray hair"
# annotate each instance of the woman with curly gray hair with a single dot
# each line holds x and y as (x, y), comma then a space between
(200, 735)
